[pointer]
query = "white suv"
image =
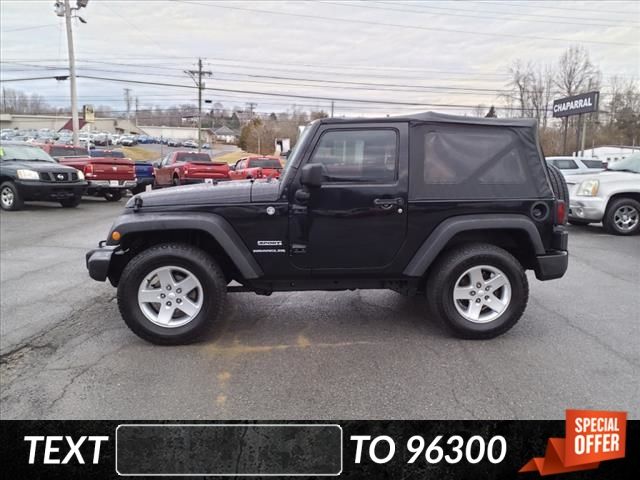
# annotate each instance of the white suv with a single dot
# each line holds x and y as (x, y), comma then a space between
(576, 165)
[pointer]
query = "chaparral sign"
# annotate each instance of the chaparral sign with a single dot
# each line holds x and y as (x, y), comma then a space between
(583, 103)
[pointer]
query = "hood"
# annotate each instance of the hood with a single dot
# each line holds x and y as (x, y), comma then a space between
(38, 166)
(222, 193)
(606, 176)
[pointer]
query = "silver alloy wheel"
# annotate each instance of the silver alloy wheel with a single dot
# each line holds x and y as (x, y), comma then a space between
(170, 296)
(482, 294)
(7, 197)
(626, 218)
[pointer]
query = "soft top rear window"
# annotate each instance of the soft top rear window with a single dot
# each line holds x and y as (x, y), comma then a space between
(193, 157)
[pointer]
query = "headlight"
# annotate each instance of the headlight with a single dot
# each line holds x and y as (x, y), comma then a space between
(80, 175)
(588, 188)
(28, 175)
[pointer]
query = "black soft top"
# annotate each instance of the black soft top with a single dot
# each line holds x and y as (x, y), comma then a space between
(433, 117)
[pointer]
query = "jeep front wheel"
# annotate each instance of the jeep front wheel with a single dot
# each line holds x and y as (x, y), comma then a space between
(480, 291)
(171, 294)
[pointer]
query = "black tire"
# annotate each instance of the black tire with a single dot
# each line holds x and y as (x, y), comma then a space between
(72, 202)
(454, 263)
(196, 261)
(579, 223)
(10, 198)
(176, 181)
(558, 184)
(112, 195)
(609, 222)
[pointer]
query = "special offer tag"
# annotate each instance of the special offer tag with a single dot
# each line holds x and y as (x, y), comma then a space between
(592, 436)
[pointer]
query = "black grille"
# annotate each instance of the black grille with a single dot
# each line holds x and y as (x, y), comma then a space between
(58, 176)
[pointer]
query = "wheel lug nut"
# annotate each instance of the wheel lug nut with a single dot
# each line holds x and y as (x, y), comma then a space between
(486, 297)
(472, 293)
(168, 287)
(168, 304)
(178, 300)
(179, 290)
(478, 285)
(478, 300)
(162, 295)
(487, 288)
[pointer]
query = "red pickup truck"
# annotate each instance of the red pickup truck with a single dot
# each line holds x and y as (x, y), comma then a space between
(256, 167)
(181, 168)
(107, 177)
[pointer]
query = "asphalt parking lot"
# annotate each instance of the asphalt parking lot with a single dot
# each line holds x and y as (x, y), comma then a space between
(65, 352)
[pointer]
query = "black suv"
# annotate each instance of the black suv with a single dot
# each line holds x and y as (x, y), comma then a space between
(453, 208)
(29, 173)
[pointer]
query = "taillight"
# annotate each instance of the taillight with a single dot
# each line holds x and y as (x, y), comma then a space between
(561, 212)
(186, 170)
(88, 170)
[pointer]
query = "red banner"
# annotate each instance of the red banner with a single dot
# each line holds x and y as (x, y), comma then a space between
(592, 436)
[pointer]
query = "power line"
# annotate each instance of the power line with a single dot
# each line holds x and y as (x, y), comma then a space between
(573, 9)
(513, 16)
(396, 25)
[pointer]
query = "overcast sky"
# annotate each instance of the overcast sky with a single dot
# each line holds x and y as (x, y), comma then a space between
(321, 50)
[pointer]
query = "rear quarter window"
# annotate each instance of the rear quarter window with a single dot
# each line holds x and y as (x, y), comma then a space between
(475, 162)
(593, 163)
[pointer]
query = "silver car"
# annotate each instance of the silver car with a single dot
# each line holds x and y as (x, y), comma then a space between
(611, 197)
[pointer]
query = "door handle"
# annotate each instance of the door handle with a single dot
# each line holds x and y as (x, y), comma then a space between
(387, 203)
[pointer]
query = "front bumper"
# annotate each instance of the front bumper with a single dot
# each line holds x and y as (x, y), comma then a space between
(99, 260)
(38, 190)
(587, 208)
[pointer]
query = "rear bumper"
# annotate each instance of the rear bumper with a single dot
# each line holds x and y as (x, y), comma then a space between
(37, 190)
(98, 261)
(145, 180)
(108, 185)
(191, 181)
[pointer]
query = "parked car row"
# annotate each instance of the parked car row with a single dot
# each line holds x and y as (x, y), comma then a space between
(603, 192)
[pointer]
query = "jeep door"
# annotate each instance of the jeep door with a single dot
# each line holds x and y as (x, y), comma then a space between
(356, 221)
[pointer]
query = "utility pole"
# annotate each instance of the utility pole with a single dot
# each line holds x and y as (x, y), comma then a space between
(252, 106)
(332, 102)
(75, 122)
(200, 85)
(127, 101)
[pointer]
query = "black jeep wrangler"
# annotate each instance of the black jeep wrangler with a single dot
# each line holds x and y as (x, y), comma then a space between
(453, 208)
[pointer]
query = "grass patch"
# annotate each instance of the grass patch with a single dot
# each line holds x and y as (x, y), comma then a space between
(140, 154)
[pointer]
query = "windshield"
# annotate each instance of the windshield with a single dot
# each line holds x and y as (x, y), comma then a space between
(24, 153)
(106, 154)
(296, 151)
(68, 152)
(629, 164)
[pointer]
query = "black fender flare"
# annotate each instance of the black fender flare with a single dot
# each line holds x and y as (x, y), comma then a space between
(209, 223)
(446, 230)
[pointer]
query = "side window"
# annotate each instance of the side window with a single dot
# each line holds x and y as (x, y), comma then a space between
(566, 165)
(358, 156)
(166, 160)
(593, 163)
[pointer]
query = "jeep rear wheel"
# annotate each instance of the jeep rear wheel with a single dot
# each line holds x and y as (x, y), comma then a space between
(479, 291)
(171, 294)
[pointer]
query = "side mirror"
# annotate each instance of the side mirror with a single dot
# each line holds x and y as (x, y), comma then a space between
(232, 167)
(156, 164)
(312, 175)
